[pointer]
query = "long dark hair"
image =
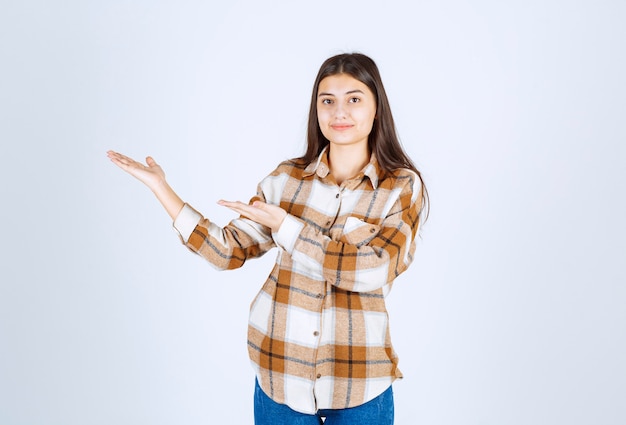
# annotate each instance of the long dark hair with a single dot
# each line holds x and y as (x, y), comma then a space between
(383, 140)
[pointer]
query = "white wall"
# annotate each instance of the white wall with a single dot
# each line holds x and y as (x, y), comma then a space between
(513, 312)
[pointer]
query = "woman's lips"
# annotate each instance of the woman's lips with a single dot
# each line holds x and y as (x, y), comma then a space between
(341, 127)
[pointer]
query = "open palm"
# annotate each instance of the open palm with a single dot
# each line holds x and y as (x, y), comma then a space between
(151, 173)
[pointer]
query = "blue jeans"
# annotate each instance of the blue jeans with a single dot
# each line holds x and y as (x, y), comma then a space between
(378, 411)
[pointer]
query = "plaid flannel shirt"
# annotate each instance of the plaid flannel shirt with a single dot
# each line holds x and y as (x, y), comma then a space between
(318, 333)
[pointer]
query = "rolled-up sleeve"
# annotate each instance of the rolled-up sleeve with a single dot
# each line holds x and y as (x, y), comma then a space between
(227, 247)
(186, 220)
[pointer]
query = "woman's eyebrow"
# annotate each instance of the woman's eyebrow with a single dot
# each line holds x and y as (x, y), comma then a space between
(348, 92)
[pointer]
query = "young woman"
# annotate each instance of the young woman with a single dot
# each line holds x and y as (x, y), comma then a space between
(344, 218)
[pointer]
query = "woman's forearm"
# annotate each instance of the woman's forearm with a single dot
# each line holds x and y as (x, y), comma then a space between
(168, 198)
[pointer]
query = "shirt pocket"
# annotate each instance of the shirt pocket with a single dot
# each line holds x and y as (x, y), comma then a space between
(357, 232)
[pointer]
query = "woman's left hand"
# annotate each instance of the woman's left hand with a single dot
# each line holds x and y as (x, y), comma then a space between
(265, 214)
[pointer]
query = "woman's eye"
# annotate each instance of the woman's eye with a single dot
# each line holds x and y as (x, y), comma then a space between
(326, 101)
(354, 100)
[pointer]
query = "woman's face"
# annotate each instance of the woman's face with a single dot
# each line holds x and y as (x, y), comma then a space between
(346, 109)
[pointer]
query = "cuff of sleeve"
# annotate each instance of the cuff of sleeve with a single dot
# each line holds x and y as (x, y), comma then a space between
(288, 233)
(186, 220)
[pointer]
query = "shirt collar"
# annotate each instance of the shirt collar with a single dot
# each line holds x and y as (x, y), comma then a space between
(322, 169)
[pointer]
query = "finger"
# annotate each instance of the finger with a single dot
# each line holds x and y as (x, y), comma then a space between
(231, 204)
(241, 208)
(114, 156)
(125, 162)
(119, 158)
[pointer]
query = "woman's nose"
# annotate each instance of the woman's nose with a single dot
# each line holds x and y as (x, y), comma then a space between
(340, 111)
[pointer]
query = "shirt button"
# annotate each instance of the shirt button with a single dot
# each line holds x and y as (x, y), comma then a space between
(328, 223)
(319, 375)
(316, 333)
(372, 230)
(337, 196)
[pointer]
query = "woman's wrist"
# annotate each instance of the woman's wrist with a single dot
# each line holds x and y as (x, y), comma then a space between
(159, 187)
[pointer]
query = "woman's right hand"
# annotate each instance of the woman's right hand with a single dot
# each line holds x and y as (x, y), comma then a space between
(151, 174)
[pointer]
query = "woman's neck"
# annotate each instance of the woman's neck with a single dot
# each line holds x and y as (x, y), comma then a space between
(347, 161)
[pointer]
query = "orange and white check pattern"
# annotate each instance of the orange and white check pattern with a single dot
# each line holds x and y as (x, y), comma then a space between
(318, 332)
